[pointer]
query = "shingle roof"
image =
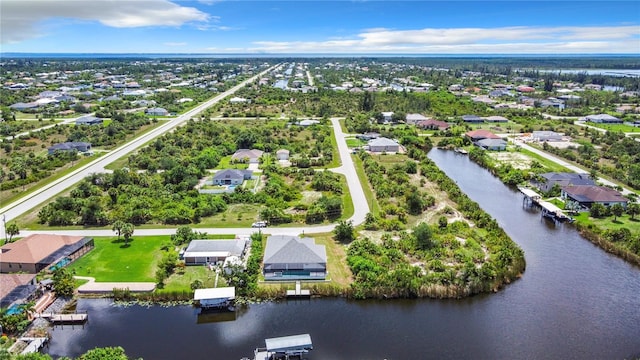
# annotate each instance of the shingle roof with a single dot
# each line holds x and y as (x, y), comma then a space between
(9, 282)
(382, 141)
(35, 248)
(593, 193)
(481, 134)
(246, 153)
(288, 249)
(231, 174)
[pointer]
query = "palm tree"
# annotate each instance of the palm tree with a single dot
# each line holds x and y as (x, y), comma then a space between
(127, 232)
(117, 227)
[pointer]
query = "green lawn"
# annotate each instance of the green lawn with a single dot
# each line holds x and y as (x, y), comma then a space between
(364, 182)
(112, 261)
(616, 127)
(181, 280)
(355, 143)
(607, 223)
(225, 163)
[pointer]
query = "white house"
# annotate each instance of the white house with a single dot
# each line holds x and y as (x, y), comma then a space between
(282, 154)
(383, 144)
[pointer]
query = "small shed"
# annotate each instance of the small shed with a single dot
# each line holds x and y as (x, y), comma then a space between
(215, 297)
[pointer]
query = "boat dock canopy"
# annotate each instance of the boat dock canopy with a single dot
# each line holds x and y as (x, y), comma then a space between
(289, 343)
(550, 207)
(530, 193)
(215, 293)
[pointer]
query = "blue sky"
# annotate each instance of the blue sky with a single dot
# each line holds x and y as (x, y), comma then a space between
(214, 26)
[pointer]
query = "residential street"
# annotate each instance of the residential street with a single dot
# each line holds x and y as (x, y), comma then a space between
(15, 209)
(361, 205)
(567, 165)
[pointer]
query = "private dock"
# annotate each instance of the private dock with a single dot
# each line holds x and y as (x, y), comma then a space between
(66, 318)
(298, 292)
(549, 210)
(215, 298)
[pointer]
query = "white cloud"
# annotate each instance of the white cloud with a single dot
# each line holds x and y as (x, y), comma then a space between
(20, 18)
(523, 39)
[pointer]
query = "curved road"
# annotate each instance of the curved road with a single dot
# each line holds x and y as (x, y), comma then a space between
(361, 205)
(47, 192)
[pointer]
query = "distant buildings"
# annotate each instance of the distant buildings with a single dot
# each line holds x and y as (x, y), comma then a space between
(603, 119)
(89, 120)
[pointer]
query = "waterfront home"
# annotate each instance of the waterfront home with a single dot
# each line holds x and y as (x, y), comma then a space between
(603, 119)
(587, 195)
(36, 252)
(548, 180)
(289, 257)
(492, 144)
(16, 288)
(231, 177)
(383, 144)
(201, 252)
(251, 156)
(89, 120)
(476, 135)
(69, 147)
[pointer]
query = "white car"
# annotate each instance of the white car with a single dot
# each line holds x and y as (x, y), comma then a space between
(259, 224)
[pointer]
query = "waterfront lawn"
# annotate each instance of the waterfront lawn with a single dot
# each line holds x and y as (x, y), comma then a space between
(110, 260)
(181, 279)
(608, 223)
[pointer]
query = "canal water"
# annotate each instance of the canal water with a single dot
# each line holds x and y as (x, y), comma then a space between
(574, 301)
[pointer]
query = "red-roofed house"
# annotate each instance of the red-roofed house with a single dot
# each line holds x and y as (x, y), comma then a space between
(36, 252)
(433, 124)
(480, 134)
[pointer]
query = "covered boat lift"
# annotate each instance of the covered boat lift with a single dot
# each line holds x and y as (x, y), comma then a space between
(285, 347)
(215, 297)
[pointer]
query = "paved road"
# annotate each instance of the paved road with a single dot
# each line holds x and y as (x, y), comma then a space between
(361, 205)
(568, 165)
(45, 193)
(629, 134)
(64, 122)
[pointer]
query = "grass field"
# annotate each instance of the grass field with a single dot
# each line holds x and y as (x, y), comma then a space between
(616, 127)
(550, 165)
(608, 223)
(110, 260)
(373, 203)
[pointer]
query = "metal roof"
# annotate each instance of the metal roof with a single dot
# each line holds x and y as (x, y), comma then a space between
(215, 293)
(293, 342)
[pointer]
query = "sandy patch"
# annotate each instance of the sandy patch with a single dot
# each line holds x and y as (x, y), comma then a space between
(516, 160)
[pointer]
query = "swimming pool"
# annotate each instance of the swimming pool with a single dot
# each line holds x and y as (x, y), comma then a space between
(60, 264)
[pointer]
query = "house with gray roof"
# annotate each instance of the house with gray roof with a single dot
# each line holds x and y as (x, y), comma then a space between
(157, 112)
(603, 119)
(231, 177)
(548, 180)
(89, 120)
(23, 106)
(289, 257)
(251, 156)
(69, 147)
(492, 144)
(413, 119)
(546, 135)
(383, 144)
(201, 252)
(472, 118)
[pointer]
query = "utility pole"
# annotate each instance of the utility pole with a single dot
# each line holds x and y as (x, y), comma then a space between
(4, 226)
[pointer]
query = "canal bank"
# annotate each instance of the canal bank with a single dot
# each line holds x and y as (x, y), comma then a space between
(574, 301)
